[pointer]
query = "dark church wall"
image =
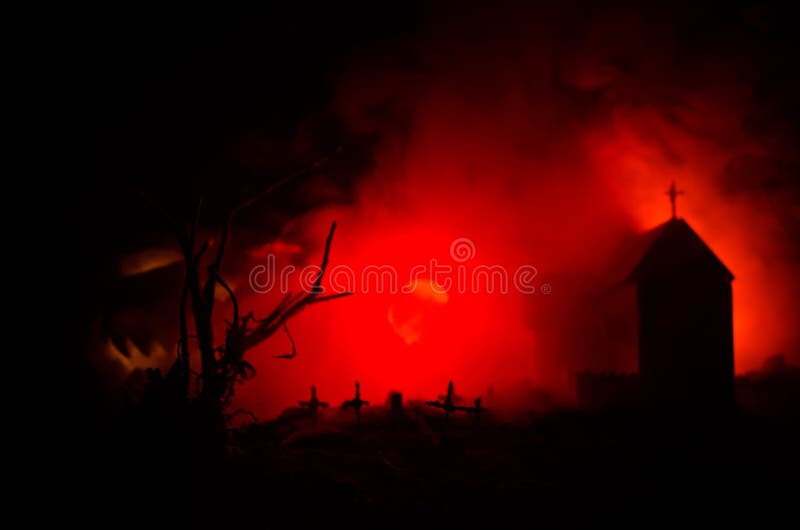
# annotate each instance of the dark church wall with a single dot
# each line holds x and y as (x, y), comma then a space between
(686, 339)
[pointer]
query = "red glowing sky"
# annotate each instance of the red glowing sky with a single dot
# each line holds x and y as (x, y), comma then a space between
(559, 203)
(534, 169)
(546, 141)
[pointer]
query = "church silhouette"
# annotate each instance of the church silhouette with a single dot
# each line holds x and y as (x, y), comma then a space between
(684, 325)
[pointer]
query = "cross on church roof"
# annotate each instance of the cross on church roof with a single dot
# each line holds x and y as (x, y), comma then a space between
(673, 193)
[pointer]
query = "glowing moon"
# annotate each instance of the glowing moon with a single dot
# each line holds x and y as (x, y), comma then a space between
(415, 308)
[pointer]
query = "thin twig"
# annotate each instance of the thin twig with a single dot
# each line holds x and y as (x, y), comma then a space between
(295, 303)
(294, 347)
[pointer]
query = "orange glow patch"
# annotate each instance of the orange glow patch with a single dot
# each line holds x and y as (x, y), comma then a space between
(416, 309)
(148, 260)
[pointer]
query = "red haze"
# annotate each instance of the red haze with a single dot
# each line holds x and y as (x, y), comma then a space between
(544, 149)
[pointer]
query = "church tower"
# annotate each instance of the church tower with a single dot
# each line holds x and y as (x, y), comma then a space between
(685, 318)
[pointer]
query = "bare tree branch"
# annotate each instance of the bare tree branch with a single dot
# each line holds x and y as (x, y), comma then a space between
(213, 273)
(293, 304)
(222, 367)
(319, 299)
(294, 347)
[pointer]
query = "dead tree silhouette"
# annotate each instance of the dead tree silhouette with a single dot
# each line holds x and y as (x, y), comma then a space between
(224, 366)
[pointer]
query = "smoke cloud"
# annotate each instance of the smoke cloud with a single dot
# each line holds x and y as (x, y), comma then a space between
(547, 136)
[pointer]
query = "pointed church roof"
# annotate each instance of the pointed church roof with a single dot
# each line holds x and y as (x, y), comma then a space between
(674, 246)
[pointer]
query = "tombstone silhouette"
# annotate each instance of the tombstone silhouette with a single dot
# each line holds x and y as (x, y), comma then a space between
(477, 409)
(356, 403)
(313, 405)
(445, 402)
